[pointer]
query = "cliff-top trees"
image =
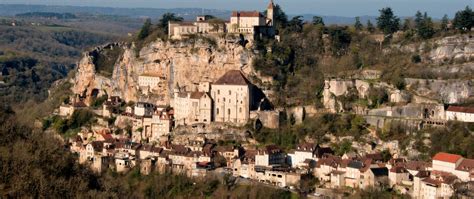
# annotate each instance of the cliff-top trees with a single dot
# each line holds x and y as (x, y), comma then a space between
(166, 18)
(318, 20)
(464, 19)
(145, 31)
(424, 25)
(370, 26)
(387, 21)
(444, 23)
(357, 25)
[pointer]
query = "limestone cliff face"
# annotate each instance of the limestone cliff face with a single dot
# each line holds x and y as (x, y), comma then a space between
(446, 91)
(454, 47)
(443, 50)
(182, 64)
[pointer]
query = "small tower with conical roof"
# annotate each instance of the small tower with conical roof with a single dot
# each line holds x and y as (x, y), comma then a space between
(270, 13)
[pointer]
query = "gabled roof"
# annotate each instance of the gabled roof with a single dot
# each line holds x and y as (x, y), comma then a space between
(232, 77)
(270, 149)
(246, 14)
(309, 147)
(423, 174)
(398, 169)
(461, 109)
(447, 157)
(417, 165)
(466, 165)
(197, 95)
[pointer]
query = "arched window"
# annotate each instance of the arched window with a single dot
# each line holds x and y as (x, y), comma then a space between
(230, 92)
(240, 109)
(223, 99)
(228, 111)
(217, 111)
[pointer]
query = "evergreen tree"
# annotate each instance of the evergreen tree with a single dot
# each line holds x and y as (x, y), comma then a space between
(424, 25)
(146, 29)
(166, 18)
(280, 18)
(370, 27)
(418, 19)
(357, 24)
(406, 24)
(464, 19)
(295, 24)
(444, 23)
(387, 21)
(318, 20)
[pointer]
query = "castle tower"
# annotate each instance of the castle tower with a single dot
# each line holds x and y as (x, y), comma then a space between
(270, 13)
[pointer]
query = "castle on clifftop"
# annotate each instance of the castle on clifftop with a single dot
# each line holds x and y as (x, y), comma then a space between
(241, 22)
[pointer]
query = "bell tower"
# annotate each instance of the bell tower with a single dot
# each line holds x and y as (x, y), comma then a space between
(270, 13)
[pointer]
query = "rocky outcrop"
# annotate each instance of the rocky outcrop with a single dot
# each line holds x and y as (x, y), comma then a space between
(459, 47)
(445, 91)
(182, 64)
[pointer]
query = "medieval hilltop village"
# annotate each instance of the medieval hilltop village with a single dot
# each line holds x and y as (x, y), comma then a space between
(170, 114)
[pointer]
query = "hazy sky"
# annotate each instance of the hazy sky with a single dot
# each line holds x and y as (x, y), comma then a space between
(436, 8)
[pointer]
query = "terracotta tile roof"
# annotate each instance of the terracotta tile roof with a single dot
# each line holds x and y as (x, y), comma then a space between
(447, 157)
(417, 165)
(232, 77)
(432, 181)
(461, 109)
(249, 156)
(466, 165)
(308, 147)
(397, 161)
(423, 174)
(270, 149)
(181, 149)
(246, 14)
(197, 95)
(330, 160)
(398, 169)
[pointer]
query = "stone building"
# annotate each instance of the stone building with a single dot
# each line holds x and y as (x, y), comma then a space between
(241, 22)
(458, 113)
(232, 98)
(247, 21)
(192, 107)
(149, 80)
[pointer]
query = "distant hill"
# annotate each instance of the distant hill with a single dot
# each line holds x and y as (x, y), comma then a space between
(48, 15)
(186, 13)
